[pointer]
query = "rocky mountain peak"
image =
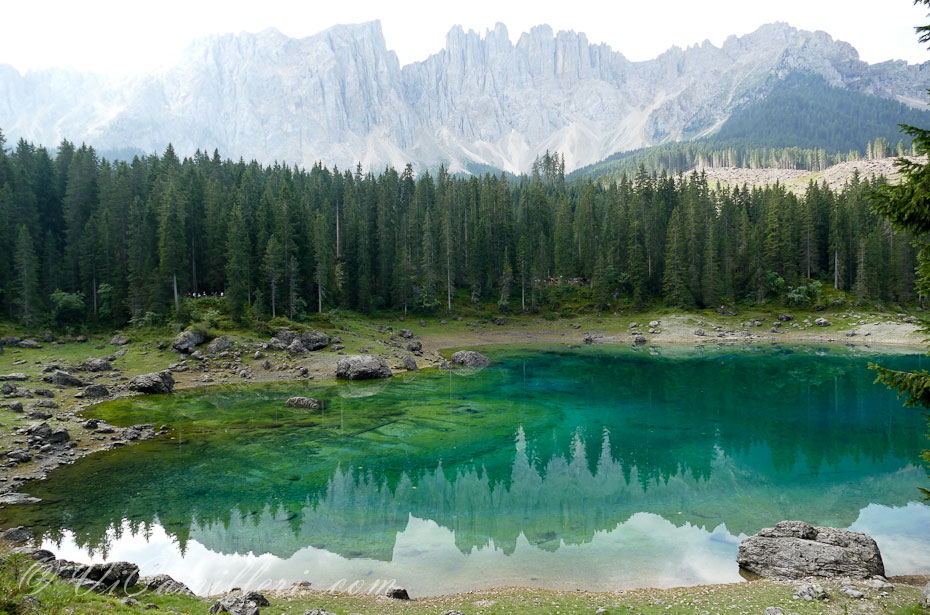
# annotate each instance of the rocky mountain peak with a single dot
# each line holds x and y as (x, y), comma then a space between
(341, 96)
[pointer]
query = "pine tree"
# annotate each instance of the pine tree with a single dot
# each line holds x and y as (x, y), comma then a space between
(237, 265)
(26, 277)
(273, 269)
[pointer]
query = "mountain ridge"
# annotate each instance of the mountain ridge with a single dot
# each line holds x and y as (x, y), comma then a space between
(341, 96)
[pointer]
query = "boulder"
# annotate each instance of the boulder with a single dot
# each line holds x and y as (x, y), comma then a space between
(100, 577)
(19, 455)
(699, 332)
(40, 555)
(469, 358)
(96, 365)
(62, 378)
(58, 436)
(500, 321)
(925, 597)
(14, 377)
(12, 499)
(119, 340)
(186, 341)
(362, 367)
(398, 593)
(28, 344)
(155, 383)
(96, 391)
(238, 603)
(40, 430)
(16, 535)
(314, 340)
(794, 549)
(410, 363)
(406, 333)
(822, 322)
(219, 345)
(284, 336)
(639, 340)
(296, 348)
(163, 584)
(810, 592)
(309, 403)
(785, 317)
(415, 346)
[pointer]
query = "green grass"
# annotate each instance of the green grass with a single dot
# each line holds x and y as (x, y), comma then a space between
(55, 597)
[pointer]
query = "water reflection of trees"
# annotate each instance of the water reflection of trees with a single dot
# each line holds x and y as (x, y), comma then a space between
(601, 438)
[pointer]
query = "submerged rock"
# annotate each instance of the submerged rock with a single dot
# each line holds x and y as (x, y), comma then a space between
(155, 383)
(469, 358)
(16, 535)
(362, 367)
(794, 549)
(303, 402)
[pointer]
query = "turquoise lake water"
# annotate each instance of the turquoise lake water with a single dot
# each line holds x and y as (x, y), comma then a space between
(588, 468)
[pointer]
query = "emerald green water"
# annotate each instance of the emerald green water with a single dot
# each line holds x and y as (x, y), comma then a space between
(594, 468)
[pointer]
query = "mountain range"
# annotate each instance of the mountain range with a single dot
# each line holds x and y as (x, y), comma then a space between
(482, 102)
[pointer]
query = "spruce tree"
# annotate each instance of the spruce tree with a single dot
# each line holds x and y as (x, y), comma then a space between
(26, 277)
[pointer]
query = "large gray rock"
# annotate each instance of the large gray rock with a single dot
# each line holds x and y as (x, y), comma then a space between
(62, 378)
(314, 340)
(187, 341)
(16, 535)
(154, 383)
(96, 365)
(794, 549)
(362, 367)
(95, 391)
(219, 345)
(239, 603)
(32, 344)
(925, 597)
(163, 584)
(100, 577)
(469, 358)
(17, 377)
(296, 348)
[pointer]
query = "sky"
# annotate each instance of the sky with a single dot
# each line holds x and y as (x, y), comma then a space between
(120, 37)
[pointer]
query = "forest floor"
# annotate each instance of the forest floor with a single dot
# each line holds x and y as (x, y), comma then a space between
(245, 362)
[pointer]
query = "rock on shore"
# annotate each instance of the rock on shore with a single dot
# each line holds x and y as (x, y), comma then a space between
(794, 549)
(362, 367)
(469, 358)
(156, 382)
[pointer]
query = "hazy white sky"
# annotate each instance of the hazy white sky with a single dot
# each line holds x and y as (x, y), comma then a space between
(120, 36)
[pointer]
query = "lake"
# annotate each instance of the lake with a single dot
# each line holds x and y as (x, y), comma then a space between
(595, 468)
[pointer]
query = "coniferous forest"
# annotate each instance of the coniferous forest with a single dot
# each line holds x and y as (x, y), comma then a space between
(90, 241)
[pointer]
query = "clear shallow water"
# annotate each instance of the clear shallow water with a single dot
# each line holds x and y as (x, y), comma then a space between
(594, 468)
